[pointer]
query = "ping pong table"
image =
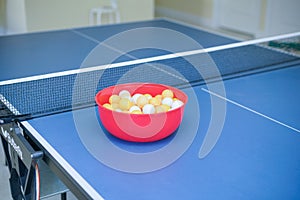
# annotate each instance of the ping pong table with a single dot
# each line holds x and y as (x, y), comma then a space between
(239, 137)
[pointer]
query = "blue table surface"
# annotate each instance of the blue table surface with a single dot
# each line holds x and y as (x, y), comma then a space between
(255, 158)
(55, 51)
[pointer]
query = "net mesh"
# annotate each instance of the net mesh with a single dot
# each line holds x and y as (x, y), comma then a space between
(57, 94)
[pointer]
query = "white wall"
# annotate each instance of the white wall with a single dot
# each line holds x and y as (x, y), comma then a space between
(15, 16)
(282, 16)
(256, 18)
(197, 12)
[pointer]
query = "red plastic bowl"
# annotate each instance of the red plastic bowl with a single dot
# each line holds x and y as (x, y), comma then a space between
(140, 127)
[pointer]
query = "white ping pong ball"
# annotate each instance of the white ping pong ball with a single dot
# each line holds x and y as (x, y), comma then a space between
(135, 97)
(134, 108)
(125, 94)
(176, 104)
(167, 101)
(118, 110)
(148, 109)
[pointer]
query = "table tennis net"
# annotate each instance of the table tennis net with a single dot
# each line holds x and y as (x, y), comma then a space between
(74, 91)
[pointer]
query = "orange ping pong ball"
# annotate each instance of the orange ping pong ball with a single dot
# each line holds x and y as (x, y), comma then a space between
(125, 104)
(114, 99)
(142, 100)
(159, 97)
(165, 107)
(160, 109)
(167, 93)
(148, 96)
(108, 106)
(155, 101)
(136, 112)
(115, 106)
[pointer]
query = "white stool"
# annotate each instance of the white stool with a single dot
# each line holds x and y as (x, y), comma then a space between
(111, 11)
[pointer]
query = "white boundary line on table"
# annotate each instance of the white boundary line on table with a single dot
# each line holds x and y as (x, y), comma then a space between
(251, 110)
(151, 59)
(70, 170)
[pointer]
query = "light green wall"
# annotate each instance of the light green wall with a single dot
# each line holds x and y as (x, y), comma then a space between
(75, 13)
(202, 8)
(2, 13)
(57, 14)
(132, 10)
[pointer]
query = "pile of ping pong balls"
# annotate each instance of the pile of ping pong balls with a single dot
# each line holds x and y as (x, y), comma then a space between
(143, 103)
